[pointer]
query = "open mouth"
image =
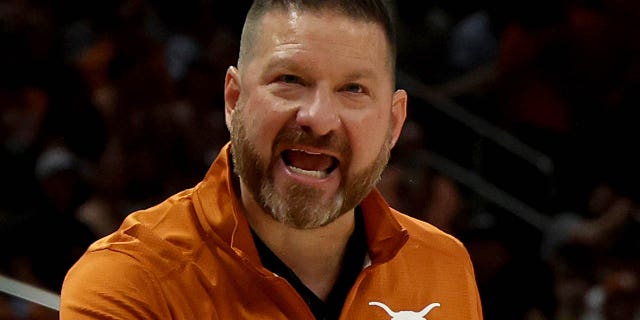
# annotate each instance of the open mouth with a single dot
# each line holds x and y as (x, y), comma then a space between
(313, 164)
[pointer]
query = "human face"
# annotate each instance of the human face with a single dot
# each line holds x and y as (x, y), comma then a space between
(312, 115)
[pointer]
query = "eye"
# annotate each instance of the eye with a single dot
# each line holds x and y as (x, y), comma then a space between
(354, 88)
(289, 78)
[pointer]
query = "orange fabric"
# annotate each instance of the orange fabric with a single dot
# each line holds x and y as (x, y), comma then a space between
(192, 257)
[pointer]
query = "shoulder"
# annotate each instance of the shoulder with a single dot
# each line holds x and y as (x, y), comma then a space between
(148, 244)
(169, 231)
(427, 236)
(110, 282)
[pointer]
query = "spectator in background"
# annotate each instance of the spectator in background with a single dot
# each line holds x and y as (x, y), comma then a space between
(49, 132)
(563, 84)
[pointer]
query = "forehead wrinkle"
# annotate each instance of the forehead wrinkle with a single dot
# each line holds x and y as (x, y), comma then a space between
(345, 25)
(292, 48)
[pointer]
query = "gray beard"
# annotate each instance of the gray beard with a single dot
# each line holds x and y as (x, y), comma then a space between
(300, 206)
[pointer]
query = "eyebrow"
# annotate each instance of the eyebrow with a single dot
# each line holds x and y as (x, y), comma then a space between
(361, 74)
(281, 62)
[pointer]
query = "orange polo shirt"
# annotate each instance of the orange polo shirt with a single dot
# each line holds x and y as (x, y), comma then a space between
(193, 257)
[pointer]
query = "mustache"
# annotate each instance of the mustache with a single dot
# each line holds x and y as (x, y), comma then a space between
(330, 141)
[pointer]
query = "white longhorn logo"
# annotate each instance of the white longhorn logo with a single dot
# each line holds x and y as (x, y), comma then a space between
(405, 315)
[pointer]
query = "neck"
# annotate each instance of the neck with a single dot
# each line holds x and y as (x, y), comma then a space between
(315, 255)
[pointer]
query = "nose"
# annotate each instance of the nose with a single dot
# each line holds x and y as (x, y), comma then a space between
(320, 113)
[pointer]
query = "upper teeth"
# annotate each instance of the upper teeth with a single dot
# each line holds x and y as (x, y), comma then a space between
(308, 152)
(313, 173)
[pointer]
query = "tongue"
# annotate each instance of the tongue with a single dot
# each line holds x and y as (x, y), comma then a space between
(307, 161)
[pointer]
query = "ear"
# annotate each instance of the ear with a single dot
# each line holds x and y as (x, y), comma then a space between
(231, 94)
(398, 114)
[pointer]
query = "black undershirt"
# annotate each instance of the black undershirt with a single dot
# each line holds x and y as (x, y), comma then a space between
(352, 264)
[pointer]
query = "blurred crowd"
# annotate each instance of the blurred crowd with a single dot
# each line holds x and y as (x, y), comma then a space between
(111, 106)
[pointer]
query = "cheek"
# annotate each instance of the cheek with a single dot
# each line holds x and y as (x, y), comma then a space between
(367, 136)
(263, 119)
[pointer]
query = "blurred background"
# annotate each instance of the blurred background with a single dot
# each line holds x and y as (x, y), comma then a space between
(521, 138)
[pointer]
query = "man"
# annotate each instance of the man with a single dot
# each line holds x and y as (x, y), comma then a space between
(287, 224)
